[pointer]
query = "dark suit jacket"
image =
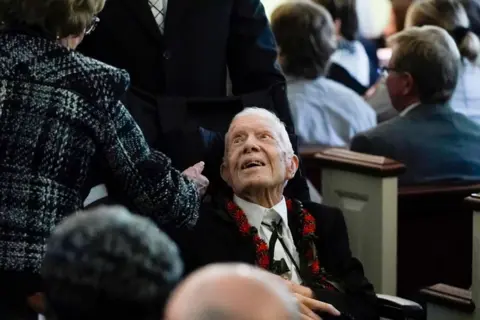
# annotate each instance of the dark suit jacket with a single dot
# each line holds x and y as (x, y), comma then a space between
(434, 142)
(217, 239)
(202, 38)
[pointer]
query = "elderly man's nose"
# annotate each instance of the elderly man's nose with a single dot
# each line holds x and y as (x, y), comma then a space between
(250, 146)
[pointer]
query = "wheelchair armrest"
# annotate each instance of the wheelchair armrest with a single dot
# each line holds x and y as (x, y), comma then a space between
(450, 297)
(395, 308)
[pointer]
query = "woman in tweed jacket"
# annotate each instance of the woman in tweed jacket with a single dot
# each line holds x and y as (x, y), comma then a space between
(61, 118)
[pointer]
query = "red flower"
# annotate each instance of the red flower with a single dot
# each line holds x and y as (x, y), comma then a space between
(289, 205)
(244, 228)
(307, 217)
(239, 215)
(231, 206)
(308, 229)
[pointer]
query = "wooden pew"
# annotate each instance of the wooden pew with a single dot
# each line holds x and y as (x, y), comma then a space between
(445, 302)
(365, 188)
(434, 237)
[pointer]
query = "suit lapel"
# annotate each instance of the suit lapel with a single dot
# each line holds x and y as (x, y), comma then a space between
(142, 12)
(294, 224)
(175, 13)
(231, 237)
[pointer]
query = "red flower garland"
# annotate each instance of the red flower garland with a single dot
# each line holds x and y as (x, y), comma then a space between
(308, 233)
(261, 247)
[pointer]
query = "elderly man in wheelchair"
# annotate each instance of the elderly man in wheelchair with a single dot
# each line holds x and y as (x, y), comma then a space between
(305, 243)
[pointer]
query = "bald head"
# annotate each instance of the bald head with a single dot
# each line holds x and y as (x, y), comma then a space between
(232, 292)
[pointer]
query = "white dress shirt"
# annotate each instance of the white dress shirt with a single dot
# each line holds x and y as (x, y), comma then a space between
(409, 108)
(326, 112)
(257, 214)
(159, 11)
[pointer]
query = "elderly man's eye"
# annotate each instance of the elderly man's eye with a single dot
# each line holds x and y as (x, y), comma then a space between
(265, 136)
(237, 140)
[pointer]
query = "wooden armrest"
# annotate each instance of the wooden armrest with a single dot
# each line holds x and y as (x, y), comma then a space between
(440, 189)
(342, 159)
(474, 201)
(309, 150)
(450, 297)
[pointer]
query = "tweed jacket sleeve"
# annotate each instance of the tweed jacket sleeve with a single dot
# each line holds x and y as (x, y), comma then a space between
(146, 176)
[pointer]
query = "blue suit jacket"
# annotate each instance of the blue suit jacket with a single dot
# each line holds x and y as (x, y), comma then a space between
(433, 141)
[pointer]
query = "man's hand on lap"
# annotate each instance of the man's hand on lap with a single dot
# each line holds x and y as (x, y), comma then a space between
(308, 304)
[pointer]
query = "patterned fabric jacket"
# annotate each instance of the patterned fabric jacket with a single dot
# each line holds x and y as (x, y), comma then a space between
(60, 116)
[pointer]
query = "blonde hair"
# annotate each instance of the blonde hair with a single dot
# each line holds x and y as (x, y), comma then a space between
(429, 54)
(449, 15)
(60, 18)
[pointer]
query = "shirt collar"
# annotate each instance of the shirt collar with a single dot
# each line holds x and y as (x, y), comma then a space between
(409, 108)
(255, 213)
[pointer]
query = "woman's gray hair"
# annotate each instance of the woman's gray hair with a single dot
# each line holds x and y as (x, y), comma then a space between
(430, 55)
(279, 126)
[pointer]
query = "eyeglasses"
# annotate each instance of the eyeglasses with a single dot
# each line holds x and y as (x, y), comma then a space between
(384, 71)
(92, 25)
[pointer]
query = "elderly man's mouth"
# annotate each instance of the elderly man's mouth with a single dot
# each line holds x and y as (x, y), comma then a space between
(252, 164)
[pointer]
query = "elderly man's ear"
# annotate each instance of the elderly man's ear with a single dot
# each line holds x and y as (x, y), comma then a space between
(292, 167)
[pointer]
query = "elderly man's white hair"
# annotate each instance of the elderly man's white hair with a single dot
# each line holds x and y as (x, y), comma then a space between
(279, 126)
(198, 286)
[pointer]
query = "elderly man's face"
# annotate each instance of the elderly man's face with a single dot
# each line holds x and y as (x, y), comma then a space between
(255, 157)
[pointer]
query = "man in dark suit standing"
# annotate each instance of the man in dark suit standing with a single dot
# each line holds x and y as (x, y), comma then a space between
(429, 137)
(179, 49)
(304, 242)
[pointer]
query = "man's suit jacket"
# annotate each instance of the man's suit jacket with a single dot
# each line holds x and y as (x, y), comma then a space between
(216, 238)
(435, 143)
(201, 38)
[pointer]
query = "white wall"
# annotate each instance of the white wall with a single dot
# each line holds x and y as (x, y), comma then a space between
(373, 15)
(270, 5)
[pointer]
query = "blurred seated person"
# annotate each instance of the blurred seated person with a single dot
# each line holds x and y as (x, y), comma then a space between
(306, 243)
(232, 291)
(451, 16)
(435, 142)
(324, 112)
(350, 64)
(374, 17)
(472, 7)
(109, 264)
(61, 119)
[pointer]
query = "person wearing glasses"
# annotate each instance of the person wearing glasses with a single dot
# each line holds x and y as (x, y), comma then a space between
(436, 143)
(60, 119)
